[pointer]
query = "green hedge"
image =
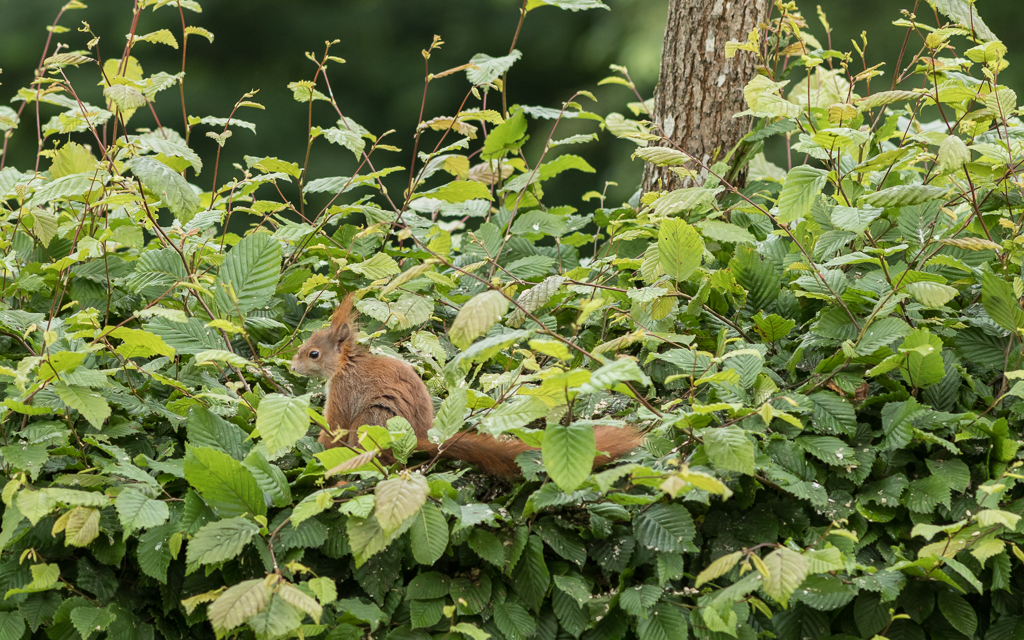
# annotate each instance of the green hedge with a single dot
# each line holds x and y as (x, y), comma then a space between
(826, 362)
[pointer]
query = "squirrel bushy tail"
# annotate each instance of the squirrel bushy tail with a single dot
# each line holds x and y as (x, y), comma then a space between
(498, 457)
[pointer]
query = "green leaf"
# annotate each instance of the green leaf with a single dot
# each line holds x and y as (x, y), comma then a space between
(531, 577)
(90, 404)
(853, 218)
(173, 190)
(282, 420)
(665, 622)
(137, 343)
(74, 185)
(568, 453)
(35, 505)
(87, 620)
(272, 481)
(487, 545)
(730, 448)
(224, 483)
(665, 528)
(958, 612)
(429, 535)
(206, 429)
(787, 569)
(953, 154)
(831, 451)
(136, 510)
(348, 134)
(725, 232)
(680, 200)
(1001, 303)
(238, 604)
(83, 526)
(507, 136)
(249, 275)
(488, 68)
(399, 499)
(220, 541)
(460, 191)
(534, 298)
(512, 415)
(28, 458)
(366, 538)
(611, 375)
(833, 414)
(379, 266)
(173, 148)
(515, 622)
(967, 15)
(773, 327)
(903, 195)
(718, 568)
(12, 625)
(680, 248)
(476, 317)
(802, 186)
(932, 294)
(757, 276)
(923, 366)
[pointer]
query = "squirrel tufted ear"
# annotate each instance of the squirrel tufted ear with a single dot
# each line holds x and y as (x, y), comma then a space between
(344, 316)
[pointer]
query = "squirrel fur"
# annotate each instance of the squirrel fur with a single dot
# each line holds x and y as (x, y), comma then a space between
(366, 389)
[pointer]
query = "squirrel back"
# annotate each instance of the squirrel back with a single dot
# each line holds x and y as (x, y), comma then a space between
(367, 389)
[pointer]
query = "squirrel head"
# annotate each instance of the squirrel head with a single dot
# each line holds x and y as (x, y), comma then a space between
(328, 351)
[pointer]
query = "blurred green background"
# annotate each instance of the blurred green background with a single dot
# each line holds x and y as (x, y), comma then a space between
(260, 44)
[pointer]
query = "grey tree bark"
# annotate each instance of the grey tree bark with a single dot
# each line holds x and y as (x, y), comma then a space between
(699, 89)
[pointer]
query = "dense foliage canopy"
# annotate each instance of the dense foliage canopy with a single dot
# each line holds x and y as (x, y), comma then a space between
(826, 361)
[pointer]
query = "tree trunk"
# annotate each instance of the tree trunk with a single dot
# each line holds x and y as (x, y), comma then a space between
(700, 90)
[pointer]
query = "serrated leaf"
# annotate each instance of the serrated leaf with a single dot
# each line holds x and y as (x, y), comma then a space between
(953, 154)
(399, 499)
(718, 568)
(958, 612)
(725, 232)
(802, 186)
(854, 219)
(237, 604)
(137, 343)
(90, 404)
(488, 69)
(534, 298)
(379, 266)
(729, 448)
(224, 483)
(173, 190)
(429, 535)
(136, 510)
(903, 195)
(12, 625)
(680, 248)
(787, 569)
(1001, 303)
(665, 528)
(476, 317)
(249, 276)
(282, 420)
(568, 453)
(932, 294)
(220, 541)
(83, 526)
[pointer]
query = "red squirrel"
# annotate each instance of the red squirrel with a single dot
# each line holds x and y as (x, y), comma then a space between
(366, 389)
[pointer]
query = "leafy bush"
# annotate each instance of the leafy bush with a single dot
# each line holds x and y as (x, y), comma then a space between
(826, 361)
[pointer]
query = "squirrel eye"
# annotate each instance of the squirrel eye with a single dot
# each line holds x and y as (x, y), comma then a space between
(314, 354)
